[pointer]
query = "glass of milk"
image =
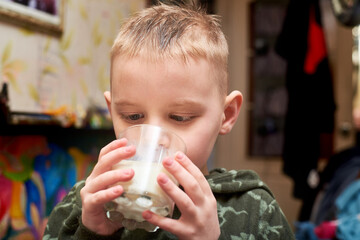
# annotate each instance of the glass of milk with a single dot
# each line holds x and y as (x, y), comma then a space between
(142, 192)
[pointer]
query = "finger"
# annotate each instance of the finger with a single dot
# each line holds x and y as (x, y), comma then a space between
(194, 171)
(111, 158)
(109, 178)
(185, 179)
(164, 223)
(180, 198)
(113, 145)
(118, 143)
(92, 201)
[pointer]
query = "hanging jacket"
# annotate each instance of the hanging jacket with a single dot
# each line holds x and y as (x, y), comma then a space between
(311, 104)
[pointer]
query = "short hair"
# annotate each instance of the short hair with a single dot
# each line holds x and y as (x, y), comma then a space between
(175, 31)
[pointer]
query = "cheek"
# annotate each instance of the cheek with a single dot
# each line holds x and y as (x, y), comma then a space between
(199, 146)
(118, 125)
(199, 154)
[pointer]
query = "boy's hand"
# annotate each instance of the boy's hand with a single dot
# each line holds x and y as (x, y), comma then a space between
(97, 192)
(199, 218)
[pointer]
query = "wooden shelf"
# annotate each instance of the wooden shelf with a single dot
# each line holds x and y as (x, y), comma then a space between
(83, 138)
(35, 129)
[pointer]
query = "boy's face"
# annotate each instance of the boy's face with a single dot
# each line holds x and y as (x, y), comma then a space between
(183, 98)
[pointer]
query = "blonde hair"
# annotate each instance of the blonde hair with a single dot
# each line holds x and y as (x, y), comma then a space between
(169, 31)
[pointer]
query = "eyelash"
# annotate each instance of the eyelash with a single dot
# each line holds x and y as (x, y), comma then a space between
(178, 118)
(132, 117)
(138, 116)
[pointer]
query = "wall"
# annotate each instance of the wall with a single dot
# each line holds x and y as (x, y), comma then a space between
(231, 150)
(69, 73)
(49, 74)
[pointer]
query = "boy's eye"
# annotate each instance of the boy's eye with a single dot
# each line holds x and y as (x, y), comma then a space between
(133, 117)
(180, 118)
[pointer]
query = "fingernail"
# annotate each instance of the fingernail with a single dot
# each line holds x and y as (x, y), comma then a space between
(168, 161)
(163, 178)
(146, 215)
(127, 172)
(129, 148)
(179, 156)
(117, 189)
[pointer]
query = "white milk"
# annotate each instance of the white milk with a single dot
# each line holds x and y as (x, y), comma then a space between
(142, 192)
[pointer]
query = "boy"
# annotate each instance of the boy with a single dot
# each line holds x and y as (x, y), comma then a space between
(169, 68)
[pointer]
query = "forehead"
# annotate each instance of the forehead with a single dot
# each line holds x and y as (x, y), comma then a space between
(166, 73)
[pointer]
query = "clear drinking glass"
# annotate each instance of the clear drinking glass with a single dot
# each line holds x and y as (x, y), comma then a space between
(142, 192)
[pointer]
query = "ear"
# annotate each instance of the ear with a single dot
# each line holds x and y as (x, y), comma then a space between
(107, 96)
(231, 111)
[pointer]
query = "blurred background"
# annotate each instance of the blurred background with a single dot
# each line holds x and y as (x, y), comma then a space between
(296, 63)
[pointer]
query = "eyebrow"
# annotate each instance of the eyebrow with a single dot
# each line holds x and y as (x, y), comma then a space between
(123, 103)
(176, 103)
(185, 102)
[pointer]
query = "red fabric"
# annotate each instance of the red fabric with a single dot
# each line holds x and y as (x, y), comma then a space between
(316, 50)
(5, 196)
(326, 230)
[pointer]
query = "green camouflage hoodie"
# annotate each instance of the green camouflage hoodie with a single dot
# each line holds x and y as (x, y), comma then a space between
(246, 207)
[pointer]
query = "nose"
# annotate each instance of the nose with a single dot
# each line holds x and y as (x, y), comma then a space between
(158, 122)
(153, 120)
(157, 133)
(164, 140)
